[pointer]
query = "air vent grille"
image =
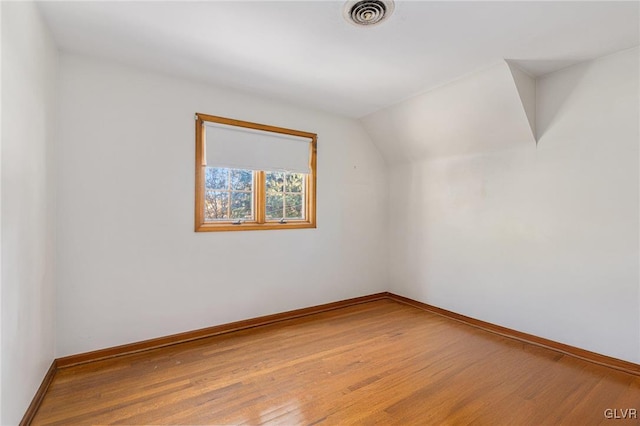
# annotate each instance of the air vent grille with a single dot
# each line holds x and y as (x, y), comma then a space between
(367, 12)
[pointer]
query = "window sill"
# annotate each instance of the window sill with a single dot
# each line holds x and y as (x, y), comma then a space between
(253, 226)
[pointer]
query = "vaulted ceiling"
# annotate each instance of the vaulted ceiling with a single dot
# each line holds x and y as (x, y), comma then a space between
(305, 52)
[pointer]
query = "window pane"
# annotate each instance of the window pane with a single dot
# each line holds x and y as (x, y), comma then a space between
(216, 205)
(241, 205)
(216, 178)
(275, 204)
(275, 181)
(241, 180)
(293, 203)
(294, 182)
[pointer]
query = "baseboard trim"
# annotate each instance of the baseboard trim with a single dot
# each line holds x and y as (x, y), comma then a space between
(39, 396)
(202, 333)
(174, 339)
(116, 351)
(604, 360)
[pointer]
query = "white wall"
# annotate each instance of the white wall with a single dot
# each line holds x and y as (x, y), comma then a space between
(0, 217)
(29, 63)
(540, 239)
(130, 266)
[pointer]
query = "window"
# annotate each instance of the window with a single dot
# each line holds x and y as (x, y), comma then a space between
(228, 194)
(252, 176)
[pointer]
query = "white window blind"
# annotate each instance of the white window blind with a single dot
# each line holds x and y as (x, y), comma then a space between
(244, 148)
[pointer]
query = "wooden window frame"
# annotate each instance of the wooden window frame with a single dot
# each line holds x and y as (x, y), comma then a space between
(259, 183)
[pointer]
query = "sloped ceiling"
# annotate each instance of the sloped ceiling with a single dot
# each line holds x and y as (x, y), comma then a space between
(304, 52)
(490, 110)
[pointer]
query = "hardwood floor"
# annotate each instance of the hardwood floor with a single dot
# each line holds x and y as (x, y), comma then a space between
(380, 362)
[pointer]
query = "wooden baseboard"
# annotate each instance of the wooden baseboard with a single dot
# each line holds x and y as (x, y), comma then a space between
(607, 361)
(174, 339)
(83, 358)
(37, 399)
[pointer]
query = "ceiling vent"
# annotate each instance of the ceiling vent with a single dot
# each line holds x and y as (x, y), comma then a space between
(367, 12)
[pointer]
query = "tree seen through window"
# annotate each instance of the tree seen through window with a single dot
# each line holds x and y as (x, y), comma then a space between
(285, 195)
(228, 194)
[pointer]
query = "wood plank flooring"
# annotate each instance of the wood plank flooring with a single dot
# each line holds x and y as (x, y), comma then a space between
(380, 362)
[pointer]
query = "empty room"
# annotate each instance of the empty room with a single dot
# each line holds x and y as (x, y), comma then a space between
(320, 212)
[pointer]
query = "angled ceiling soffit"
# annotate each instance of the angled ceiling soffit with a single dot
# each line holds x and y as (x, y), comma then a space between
(487, 111)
